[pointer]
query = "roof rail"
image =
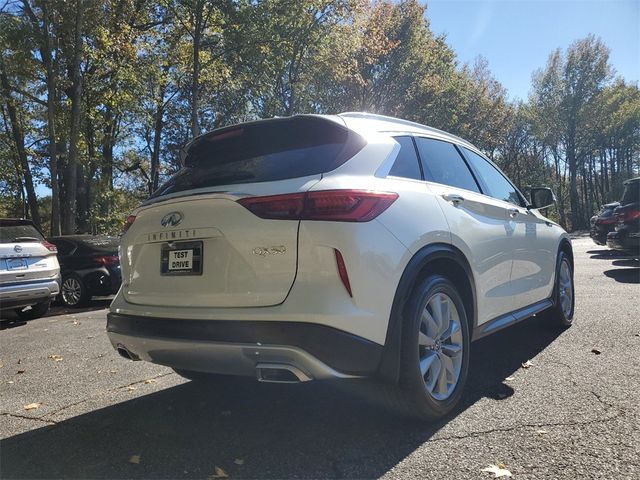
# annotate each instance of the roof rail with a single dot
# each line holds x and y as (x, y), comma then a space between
(400, 121)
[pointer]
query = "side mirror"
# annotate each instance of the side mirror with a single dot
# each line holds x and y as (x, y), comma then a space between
(542, 197)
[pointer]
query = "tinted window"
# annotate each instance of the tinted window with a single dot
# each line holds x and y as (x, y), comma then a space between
(11, 232)
(101, 244)
(496, 183)
(64, 247)
(442, 163)
(264, 151)
(406, 164)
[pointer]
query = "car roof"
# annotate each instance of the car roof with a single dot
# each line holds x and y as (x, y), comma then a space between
(81, 237)
(10, 222)
(360, 121)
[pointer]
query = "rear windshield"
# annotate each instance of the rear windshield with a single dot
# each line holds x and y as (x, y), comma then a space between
(264, 151)
(103, 244)
(631, 193)
(11, 232)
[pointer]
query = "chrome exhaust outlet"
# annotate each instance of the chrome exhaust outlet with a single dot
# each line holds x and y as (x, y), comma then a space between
(280, 373)
(125, 353)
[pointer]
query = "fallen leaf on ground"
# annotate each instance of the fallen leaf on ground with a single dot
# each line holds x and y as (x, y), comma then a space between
(135, 459)
(113, 371)
(596, 351)
(150, 380)
(541, 432)
(497, 470)
(32, 406)
(219, 473)
(508, 379)
(76, 322)
(10, 381)
(56, 358)
(527, 364)
(131, 388)
(19, 372)
(238, 461)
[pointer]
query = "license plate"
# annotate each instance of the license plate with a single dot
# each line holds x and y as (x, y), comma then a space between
(184, 258)
(16, 264)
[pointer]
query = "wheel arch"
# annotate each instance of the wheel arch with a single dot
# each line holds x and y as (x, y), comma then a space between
(438, 258)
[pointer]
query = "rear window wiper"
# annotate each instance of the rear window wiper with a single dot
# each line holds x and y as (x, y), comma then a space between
(26, 239)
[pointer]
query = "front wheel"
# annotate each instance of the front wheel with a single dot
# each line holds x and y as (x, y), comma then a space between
(435, 351)
(74, 291)
(561, 313)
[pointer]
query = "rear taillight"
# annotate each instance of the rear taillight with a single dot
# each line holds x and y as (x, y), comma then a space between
(628, 215)
(128, 222)
(49, 246)
(328, 205)
(108, 260)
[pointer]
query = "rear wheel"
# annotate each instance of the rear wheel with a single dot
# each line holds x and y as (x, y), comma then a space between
(561, 313)
(34, 311)
(74, 291)
(435, 351)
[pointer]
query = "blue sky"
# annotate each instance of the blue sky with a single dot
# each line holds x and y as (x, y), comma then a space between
(517, 36)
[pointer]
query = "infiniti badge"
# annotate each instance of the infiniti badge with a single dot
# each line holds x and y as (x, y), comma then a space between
(171, 219)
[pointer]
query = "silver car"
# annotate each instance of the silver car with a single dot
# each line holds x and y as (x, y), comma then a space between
(29, 269)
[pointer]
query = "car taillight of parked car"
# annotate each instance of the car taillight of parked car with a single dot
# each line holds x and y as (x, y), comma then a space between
(108, 260)
(628, 216)
(49, 246)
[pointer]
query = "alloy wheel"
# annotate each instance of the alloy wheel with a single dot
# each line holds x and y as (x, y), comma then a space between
(440, 346)
(566, 289)
(71, 291)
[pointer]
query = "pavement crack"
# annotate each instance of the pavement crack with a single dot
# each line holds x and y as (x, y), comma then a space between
(526, 426)
(26, 417)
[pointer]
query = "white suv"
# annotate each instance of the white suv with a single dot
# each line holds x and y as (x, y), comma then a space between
(330, 247)
(29, 270)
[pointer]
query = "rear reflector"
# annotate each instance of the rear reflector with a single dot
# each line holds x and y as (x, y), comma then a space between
(328, 205)
(49, 246)
(342, 271)
(128, 222)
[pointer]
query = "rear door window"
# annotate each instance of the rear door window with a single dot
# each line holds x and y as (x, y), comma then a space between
(406, 164)
(264, 151)
(442, 163)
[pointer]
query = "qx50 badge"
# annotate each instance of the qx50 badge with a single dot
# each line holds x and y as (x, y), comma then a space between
(171, 219)
(264, 251)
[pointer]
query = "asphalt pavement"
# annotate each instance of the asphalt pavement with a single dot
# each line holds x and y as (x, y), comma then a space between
(574, 413)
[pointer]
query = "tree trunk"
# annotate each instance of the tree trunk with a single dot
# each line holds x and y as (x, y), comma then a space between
(71, 171)
(157, 136)
(18, 138)
(47, 59)
(197, 38)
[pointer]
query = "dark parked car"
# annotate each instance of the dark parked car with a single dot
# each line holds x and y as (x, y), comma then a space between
(89, 266)
(603, 223)
(626, 236)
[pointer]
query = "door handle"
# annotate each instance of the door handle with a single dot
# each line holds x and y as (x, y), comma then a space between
(513, 212)
(453, 198)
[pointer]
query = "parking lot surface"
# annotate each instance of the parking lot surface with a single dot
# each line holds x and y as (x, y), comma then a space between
(574, 413)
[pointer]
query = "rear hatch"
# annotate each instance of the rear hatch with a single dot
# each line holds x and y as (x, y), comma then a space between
(24, 255)
(193, 244)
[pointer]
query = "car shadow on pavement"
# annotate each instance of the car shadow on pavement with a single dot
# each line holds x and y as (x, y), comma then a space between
(254, 430)
(624, 275)
(606, 254)
(10, 320)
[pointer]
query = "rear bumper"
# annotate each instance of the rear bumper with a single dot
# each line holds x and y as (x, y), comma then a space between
(622, 240)
(29, 293)
(237, 347)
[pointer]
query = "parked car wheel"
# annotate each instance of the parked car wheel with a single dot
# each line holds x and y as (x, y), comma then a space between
(435, 351)
(34, 311)
(561, 314)
(74, 292)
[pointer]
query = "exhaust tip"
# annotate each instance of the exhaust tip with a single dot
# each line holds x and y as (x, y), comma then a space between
(125, 353)
(280, 373)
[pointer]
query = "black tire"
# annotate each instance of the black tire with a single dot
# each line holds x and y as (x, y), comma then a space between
(33, 312)
(556, 314)
(73, 281)
(411, 396)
